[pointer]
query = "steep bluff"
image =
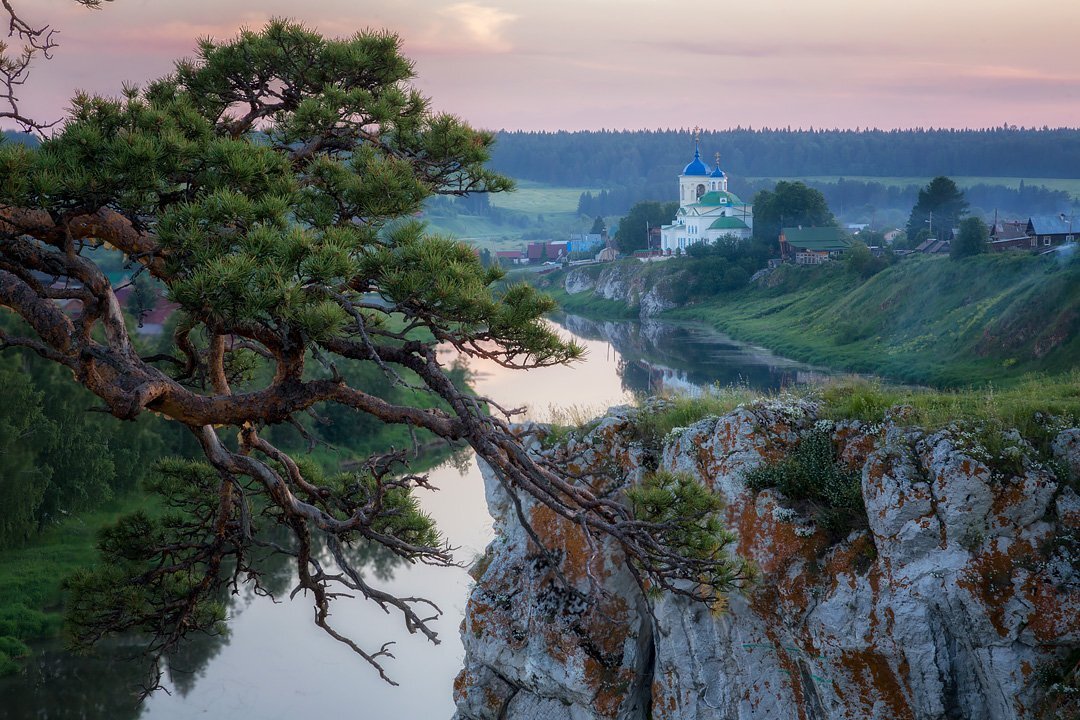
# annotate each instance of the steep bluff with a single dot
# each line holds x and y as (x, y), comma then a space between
(952, 603)
(633, 285)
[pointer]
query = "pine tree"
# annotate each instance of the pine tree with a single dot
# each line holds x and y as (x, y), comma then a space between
(269, 185)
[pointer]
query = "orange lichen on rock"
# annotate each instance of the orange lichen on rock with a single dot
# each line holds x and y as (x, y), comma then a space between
(558, 533)
(847, 560)
(770, 543)
(854, 446)
(873, 680)
(989, 578)
(1056, 611)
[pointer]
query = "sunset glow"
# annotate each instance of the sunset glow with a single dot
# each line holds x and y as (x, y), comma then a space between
(593, 64)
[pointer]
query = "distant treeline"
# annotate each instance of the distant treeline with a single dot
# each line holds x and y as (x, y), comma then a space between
(611, 159)
(21, 137)
(633, 166)
(847, 198)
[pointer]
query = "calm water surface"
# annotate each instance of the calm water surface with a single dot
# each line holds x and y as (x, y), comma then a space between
(275, 664)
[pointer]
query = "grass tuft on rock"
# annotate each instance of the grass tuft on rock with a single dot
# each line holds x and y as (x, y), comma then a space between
(812, 475)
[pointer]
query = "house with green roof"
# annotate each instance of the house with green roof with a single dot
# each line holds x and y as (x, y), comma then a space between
(707, 210)
(813, 245)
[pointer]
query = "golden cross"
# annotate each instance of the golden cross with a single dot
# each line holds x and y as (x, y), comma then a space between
(717, 159)
(697, 134)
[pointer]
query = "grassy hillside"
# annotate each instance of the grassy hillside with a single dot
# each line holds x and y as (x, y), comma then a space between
(926, 319)
(532, 211)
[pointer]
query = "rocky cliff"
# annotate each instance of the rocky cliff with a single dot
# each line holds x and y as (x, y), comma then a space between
(956, 601)
(626, 283)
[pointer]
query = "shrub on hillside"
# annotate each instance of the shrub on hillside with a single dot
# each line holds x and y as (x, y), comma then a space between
(812, 475)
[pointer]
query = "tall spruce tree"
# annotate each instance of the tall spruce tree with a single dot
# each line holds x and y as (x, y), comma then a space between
(938, 210)
(269, 186)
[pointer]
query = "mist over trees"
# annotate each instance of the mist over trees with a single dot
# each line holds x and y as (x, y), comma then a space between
(632, 166)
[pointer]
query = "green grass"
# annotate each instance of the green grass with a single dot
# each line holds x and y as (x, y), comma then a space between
(925, 320)
(1069, 185)
(31, 599)
(480, 231)
(1036, 405)
(536, 198)
(535, 207)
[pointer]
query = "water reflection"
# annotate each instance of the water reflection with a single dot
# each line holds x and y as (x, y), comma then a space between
(658, 357)
(275, 663)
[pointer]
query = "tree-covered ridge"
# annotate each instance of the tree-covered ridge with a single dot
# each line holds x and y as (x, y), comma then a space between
(851, 199)
(616, 158)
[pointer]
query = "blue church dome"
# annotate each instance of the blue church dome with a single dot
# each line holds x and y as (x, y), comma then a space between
(696, 167)
(717, 173)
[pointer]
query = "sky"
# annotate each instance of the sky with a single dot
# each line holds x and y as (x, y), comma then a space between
(615, 64)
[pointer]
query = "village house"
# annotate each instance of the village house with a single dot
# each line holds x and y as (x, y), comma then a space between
(1009, 235)
(932, 246)
(813, 245)
(554, 251)
(510, 257)
(586, 242)
(1048, 231)
(1038, 233)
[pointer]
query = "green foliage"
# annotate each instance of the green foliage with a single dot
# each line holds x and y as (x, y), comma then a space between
(61, 459)
(971, 240)
(939, 208)
(154, 571)
(1036, 408)
(1060, 680)
(25, 433)
(30, 575)
(790, 204)
(658, 418)
(811, 474)
(685, 516)
(863, 263)
(628, 158)
(632, 233)
(927, 320)
(687, 511)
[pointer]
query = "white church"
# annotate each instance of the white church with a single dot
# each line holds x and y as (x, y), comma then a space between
(707, 211)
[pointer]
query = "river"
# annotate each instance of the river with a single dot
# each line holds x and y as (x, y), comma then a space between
(274, 663)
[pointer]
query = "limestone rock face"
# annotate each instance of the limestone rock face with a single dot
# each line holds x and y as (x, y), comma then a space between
(965, 582)
(626, 284)
(578, 281)
(536, 646)
(620, 282)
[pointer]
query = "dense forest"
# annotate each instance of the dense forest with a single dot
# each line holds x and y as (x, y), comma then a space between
(633, 166)
(610, 159)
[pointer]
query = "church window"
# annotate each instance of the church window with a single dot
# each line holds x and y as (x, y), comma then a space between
(700, 190)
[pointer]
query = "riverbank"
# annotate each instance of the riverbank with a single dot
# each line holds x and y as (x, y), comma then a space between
(928, 320)
(31, 577)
